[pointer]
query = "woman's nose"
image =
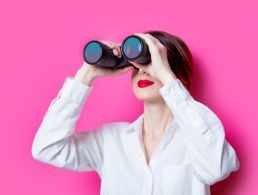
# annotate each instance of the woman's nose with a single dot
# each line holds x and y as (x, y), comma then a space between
(141, 72)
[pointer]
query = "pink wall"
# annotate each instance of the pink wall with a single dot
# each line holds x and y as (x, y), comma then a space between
(41, 43)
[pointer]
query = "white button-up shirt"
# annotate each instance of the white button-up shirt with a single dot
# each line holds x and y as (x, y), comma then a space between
(192, 155)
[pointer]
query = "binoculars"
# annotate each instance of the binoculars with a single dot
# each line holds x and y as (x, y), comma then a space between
(133, 48)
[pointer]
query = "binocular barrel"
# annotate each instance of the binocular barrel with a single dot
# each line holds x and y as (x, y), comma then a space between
(133, 48)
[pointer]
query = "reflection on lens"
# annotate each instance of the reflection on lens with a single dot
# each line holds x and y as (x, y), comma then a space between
(132, 47)
(93, 52)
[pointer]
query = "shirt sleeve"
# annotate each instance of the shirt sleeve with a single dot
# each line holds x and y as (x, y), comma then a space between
(213, 158)
(56, 141)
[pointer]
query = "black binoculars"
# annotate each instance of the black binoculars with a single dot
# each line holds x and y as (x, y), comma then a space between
(133, 48)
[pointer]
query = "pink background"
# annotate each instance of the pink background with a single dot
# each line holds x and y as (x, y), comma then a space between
(41, 43)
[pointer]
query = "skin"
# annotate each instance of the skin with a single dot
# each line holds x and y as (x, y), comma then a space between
(156, 113)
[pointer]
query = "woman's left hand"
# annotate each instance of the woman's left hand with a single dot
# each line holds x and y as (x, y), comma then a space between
(159, 66)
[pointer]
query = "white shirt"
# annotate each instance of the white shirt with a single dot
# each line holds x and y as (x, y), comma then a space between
(192, 155)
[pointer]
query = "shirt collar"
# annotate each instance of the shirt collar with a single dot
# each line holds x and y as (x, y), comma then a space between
(136, 126)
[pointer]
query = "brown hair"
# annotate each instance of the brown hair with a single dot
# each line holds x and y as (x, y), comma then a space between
(179, 55)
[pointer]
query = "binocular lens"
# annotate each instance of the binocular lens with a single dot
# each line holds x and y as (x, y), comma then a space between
(93, 52)
(132, 47)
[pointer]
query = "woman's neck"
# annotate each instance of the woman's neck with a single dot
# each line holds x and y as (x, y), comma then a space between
(156, 118)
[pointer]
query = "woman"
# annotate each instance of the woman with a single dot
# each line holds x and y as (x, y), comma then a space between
(177, 146)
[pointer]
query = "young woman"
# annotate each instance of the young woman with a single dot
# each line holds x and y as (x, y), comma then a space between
(176, 146)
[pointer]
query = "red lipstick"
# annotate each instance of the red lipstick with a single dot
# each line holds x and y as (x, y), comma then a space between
(144, 83)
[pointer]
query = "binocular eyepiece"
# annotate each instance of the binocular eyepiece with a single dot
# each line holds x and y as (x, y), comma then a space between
(133, 48)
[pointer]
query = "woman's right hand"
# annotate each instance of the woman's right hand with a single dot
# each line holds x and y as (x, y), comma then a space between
(88, 73)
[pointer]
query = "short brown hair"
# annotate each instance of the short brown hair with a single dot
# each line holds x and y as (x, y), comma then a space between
(179, 55)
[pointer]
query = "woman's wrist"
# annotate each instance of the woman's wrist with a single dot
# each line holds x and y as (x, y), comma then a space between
(168, 78)
(85, 76)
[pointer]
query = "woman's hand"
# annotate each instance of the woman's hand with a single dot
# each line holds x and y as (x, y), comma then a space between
(159, 66)
(88, 73)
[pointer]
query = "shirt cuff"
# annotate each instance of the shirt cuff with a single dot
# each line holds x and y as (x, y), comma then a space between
(74, 90)
(175, 90)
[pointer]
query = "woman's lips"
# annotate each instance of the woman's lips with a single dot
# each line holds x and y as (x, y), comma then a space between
(144, 83)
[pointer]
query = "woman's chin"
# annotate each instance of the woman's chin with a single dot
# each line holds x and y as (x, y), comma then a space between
(148, 97)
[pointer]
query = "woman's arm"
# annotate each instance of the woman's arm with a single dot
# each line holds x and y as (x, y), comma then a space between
(213, 158)
(56, 141)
